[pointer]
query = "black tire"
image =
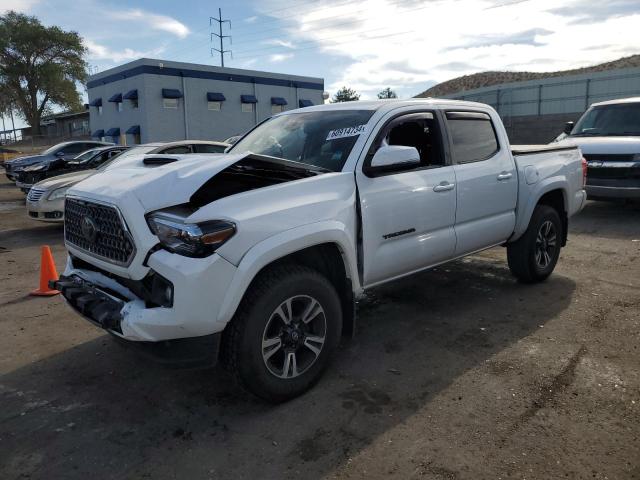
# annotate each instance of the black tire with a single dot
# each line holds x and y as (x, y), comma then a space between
(522, 254)
(242, 347)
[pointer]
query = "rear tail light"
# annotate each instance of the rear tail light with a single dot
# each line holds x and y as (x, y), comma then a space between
(584, 172)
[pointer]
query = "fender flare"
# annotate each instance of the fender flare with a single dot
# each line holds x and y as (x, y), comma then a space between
(281, 245)
(547, 185)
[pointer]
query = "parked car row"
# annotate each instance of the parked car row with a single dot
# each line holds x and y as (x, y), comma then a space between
(46, 177)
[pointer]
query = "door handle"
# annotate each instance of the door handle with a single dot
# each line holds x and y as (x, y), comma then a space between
(444, 187)
(505, 176)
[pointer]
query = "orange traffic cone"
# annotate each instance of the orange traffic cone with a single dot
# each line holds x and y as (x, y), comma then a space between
(47, 272)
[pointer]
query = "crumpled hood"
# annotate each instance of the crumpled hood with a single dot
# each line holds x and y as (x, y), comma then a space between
(66, 180)
(604, 145)
(157, 186)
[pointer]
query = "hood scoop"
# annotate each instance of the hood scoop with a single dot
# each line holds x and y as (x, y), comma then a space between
(154, 161)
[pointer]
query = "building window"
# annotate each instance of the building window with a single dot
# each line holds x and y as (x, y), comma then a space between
(277, 109)
(247, 107)
(100, 110)
(119, 106)
(170, 103)
(134, 103)
(214, 106)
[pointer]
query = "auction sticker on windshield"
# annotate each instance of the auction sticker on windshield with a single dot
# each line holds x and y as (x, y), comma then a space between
(346, 132)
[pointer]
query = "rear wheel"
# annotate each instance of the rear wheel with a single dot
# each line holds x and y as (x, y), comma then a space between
(284, 333)
(533, 257)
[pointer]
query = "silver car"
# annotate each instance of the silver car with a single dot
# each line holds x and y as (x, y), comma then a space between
(45, 201)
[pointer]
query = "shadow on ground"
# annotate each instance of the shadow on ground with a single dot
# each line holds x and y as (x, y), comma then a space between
(99, 411)
(609, 220)
(39, 234)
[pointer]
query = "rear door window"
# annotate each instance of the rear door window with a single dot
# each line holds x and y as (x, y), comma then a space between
(473, 136)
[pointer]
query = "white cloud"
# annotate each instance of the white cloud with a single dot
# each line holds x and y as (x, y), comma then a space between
(22, 6)
(280, 57)
(101, 52)
(251, 19)
(434, 41)
(279, 43)
(154, 21)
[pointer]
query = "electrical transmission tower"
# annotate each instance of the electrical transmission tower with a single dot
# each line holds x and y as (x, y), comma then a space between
(220, 36)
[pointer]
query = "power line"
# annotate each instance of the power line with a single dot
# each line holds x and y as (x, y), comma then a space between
(332, 45)
(220, 36)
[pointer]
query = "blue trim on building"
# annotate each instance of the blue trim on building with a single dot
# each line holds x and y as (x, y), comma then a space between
(305, 103)
(117, 98)
(133, 130)
(98, 134)
(190, 73)
(171, 93)
(248, 99)
(278, 101)
(96, 103)
(215, 97)
(112, 132)
(131, 95)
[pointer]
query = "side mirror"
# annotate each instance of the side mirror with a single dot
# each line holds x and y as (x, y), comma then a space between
(391, 158)
(568, 127)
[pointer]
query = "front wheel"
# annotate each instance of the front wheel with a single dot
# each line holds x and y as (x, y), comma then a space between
(533, 257)
(284, 333)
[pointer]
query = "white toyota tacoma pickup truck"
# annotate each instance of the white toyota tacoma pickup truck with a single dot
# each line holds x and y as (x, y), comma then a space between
(257, 257)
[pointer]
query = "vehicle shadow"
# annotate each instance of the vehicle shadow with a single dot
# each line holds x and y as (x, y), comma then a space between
(608, 219)
(99, 411)
(45, 233)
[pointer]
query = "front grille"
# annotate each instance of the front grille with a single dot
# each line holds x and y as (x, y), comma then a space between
(98, 230)
(597, 157)
(35, 194)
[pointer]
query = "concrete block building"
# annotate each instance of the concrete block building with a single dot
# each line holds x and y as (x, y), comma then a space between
(155, 100)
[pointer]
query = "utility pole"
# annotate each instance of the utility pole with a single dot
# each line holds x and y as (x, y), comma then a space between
(220, 36)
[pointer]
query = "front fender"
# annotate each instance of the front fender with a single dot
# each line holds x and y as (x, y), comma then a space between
(281, 245)
(529, 197)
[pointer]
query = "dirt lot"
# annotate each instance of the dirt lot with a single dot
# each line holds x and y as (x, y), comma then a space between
(457, 373)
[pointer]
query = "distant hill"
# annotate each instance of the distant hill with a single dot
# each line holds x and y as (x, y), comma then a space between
(486, 79)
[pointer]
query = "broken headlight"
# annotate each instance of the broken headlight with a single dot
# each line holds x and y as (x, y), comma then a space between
(190, 239)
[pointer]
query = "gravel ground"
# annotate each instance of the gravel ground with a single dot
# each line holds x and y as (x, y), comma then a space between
(456, 373)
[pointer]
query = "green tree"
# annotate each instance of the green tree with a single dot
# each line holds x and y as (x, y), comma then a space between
(387, 93)
(39, 66)
(7, 107)
(345, 95)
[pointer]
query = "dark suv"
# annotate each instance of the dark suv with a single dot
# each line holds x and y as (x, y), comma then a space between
(93, 158)
(65, 150)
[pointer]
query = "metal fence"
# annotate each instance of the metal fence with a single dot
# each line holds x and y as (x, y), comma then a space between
(556, 95)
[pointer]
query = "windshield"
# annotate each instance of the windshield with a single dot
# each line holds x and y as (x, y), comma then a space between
(83, 157)
(322, 138)
(54, 149)
(609, 120)
(115, 160)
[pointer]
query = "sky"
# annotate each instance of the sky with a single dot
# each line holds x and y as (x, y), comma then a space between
(408, 45)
